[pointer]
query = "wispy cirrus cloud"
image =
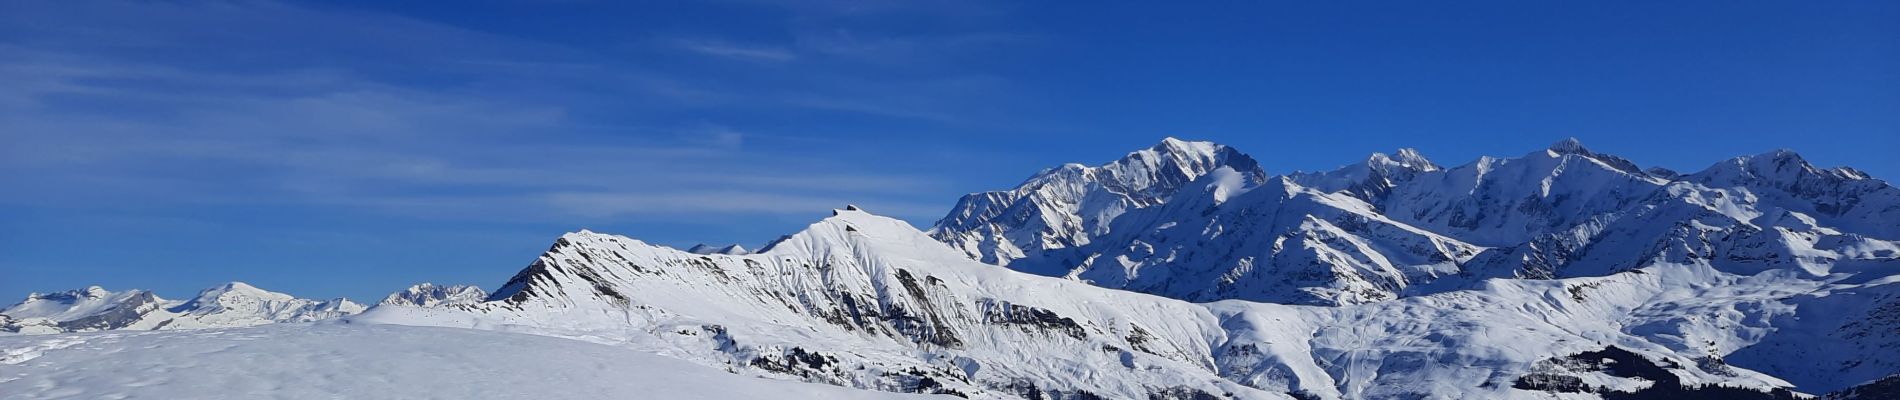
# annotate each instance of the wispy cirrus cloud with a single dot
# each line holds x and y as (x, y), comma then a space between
(490, 127)
(732, 51)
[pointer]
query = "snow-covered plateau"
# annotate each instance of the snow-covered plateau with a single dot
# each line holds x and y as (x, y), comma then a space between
(1182, 271)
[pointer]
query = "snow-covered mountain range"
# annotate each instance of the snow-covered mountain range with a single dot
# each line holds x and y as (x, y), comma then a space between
(232, 304)
(1401, 225)
(431, 295)
(1185, 271)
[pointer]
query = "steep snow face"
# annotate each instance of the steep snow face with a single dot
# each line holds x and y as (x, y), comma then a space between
(1742, 223)
(335, 361)
(709, 249)
(1279, 242)
(1068, 206)
(1370, 180)
(430, 295)
(1501, 202)
(864, 301)
(1398, 225)
(229, 305)
(1383, 228)
(1840, 198)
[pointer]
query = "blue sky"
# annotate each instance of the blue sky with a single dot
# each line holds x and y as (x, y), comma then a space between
(350, 149)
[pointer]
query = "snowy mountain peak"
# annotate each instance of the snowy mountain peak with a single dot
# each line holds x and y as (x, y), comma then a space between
(90, 292)
(233, 292)
(1782, 155)
(1783, 169)
(1569, 146)
(1779, 165)
(1406, 157)
(867, 301)
(1371, 179)
(1572, 147)
(228, 305)
(1840, 198)
(1064, 207)
(241, 303)
(846, 226)
(1186, 149)
(861, 300)
(239, 288)
(431, 295)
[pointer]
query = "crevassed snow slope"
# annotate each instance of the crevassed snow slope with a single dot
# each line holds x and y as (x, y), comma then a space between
(354, 361)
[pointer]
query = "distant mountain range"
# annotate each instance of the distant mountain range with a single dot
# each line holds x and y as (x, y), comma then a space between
(1185, 271)
(1201, 222)
(232, 304)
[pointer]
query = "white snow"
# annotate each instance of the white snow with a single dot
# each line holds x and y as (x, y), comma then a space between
(431, 295)
(339, 361)
(232, 304)
(1760, 272)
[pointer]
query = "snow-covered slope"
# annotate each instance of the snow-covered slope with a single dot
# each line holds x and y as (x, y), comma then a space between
(1278, 242)
(865, 301)
(1844, 199)
(336, 361)
(1370, 180)
(92, 308)
(862, 301)
(229, 305)
(1816, 222)
(1565, 273)
(430, 295)
(1503, 201)
(1067, 206)
(1399, 225)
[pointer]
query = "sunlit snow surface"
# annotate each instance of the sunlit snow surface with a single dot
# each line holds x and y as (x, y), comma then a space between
(1762, 272)
(357, 361)
(835, 291)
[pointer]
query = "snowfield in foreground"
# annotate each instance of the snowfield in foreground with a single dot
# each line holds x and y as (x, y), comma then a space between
(358, 361)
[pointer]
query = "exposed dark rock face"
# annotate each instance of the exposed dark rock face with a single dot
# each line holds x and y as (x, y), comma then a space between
(1031, 319)
(1183, 393)
(929, 328)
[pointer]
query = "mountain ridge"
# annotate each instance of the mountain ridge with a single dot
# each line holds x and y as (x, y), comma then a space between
(1184, 271)
(1524, 217)
(232, 304)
